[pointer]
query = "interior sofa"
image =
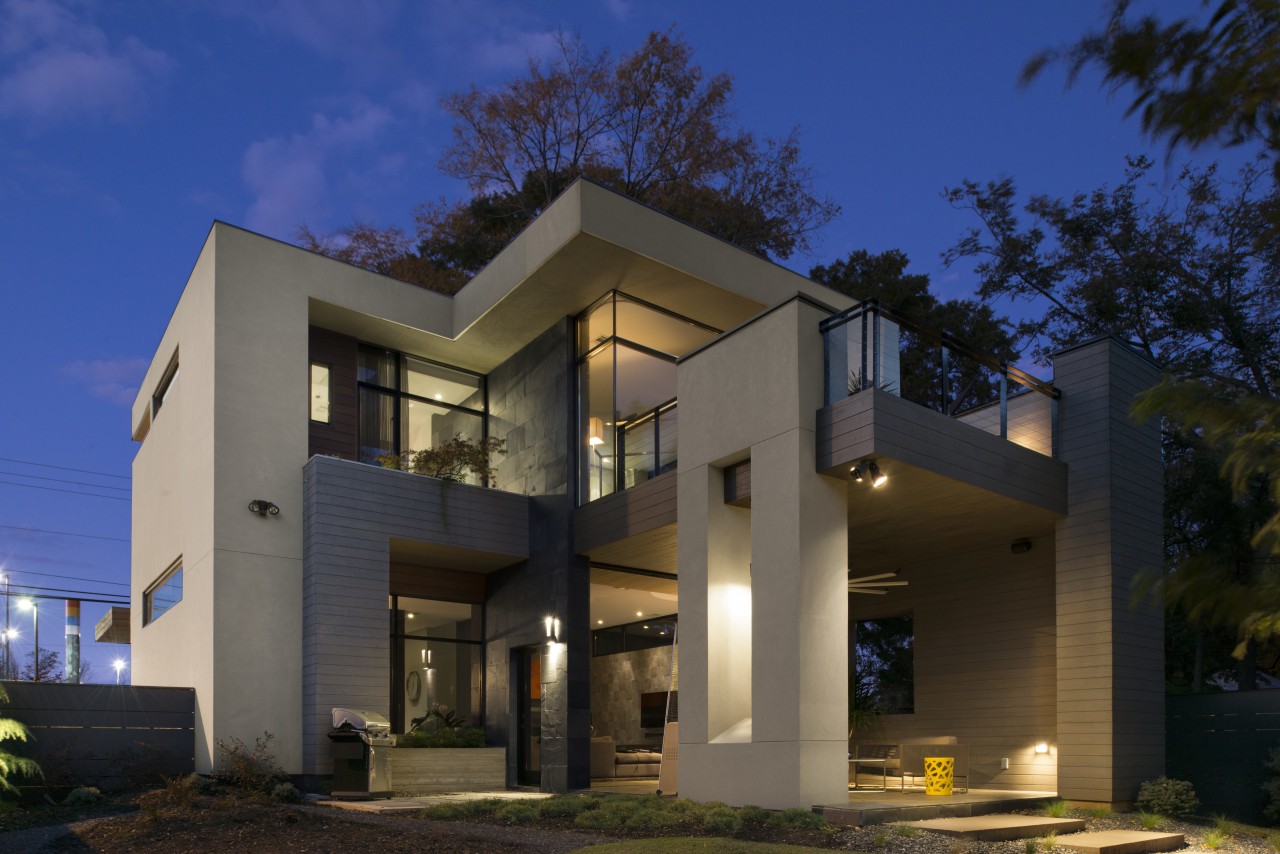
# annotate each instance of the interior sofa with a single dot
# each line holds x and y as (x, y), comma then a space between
(609, 760)
(904, 759)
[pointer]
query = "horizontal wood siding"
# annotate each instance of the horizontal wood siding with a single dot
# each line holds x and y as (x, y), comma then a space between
(420, 771)
(984, 660)
(351, 513)
(876, 423)
(642, 508)
(110, 736)
(737, 484)
(339, 352)
(453, 585)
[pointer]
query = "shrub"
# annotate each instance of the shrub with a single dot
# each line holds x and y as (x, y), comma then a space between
(1273, 839)
(906, 830)
(516, 812)
(752, 816)
(612, 814)
(10, 765)
(1215, 839)
(286, 793)
(1049, 842)
(1097, 812)
(651, 818)
(565, 806)
(82, 796)
(1174, 798)
(1030, 846)
(721, 820)
(1149, 820)
(450, 460)
(1055, 809)
(253, 768)
(798, 819)
(466, 736)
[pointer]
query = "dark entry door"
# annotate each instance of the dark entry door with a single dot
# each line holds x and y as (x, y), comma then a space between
(529, 716)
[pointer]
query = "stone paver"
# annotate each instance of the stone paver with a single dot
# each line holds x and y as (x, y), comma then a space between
(393, 806)
(997, 828)
(1122, 842)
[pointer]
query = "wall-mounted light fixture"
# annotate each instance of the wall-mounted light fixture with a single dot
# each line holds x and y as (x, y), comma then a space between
(263, 507)
(595, 431)
(1042, 747)
(872, 472)
(1020, 547)
(552, 625)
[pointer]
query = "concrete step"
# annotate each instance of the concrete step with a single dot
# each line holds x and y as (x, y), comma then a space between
(1122, 842)
(997, 828)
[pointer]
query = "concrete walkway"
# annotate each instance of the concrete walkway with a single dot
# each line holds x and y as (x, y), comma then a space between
(393, 806)
(999, 828)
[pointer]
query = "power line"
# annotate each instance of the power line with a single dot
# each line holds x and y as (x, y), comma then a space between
(86, 598)
(67, 533)
(63, 468)
(69, 491)
(61, 480)
(67, 577)
(70, 594)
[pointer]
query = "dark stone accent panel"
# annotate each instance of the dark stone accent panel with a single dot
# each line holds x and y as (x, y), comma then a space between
(531, 406)
(339, 352)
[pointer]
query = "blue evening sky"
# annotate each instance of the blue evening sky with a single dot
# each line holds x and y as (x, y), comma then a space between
(126, 128)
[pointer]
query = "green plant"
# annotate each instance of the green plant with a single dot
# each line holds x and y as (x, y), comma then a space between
(1222, 824)
(516, 812)
(612, 814)
(286, 793)
(1174, 798)
(82, 796)
(457, 810)
(881, 839)
(798, 819)
(451, 460)
(651, 818)
(565, 806)
(466, 736)
(1272, 787)
(1055, 809)
(1049, 841)
(1215, 839)
(752, 815)
(253, 768)
(11, 765)
(721, 820)
(1097, 812)
(906, 830)
(1030, 846)
(1150, 820)
(1273, 839)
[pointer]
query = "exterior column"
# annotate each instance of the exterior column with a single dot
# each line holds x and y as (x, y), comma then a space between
(763, 594)
(1110, 651)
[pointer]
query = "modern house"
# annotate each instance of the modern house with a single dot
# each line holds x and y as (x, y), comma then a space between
(694, 438)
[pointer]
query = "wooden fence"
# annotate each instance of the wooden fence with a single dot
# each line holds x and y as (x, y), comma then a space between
(1220, 743)
(110, 736)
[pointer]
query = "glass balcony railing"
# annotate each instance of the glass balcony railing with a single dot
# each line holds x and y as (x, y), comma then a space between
(872, 346)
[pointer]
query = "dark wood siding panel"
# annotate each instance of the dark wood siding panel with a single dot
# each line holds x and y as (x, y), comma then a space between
(339, 352)
(737, 484)
(642, 508)
(427, 582)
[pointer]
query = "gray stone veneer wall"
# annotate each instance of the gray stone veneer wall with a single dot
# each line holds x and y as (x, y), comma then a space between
(531, 406)
(617, 681)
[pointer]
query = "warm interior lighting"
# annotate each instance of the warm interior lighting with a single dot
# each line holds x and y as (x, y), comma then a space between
(1042, 747)
(548, 622)
(599, 622)
(595, 431)
(878, 477)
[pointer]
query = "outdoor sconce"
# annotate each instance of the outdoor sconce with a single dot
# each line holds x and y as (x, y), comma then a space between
(878, 478)
(263, 507)
(1042, 747)
(595, 431)
(1021, 547)
(553, 628)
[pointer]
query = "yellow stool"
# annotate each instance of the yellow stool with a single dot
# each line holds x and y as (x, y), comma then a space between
(939, 774)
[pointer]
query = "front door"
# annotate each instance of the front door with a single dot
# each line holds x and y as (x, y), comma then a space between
(528, 716)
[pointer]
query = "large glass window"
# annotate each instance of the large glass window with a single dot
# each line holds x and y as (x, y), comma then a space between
(163, 594)
(627, 351)
(320, 393)
(437, 661)
(407, 403)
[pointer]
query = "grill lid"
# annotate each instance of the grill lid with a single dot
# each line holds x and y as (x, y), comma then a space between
(359, 719)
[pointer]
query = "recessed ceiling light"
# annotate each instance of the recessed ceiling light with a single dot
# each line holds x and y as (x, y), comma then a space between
(599, 622)
(639, 613)
(439, 396)
(410, 616)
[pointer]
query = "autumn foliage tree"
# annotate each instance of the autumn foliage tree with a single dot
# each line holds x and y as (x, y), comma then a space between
(650, 124)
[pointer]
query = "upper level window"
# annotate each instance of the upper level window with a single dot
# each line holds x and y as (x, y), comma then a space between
(167, 379)
(320, 392)
(407, 403)
(627, 351)
(163, 594)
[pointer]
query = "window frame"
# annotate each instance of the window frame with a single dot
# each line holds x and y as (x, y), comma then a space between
(398, 639)
(164, 386)
(148, 595)
(328, 403)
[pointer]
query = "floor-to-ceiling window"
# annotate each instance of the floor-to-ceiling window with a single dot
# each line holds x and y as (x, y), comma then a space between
(407, 403)
(627, 351)
(437, 661)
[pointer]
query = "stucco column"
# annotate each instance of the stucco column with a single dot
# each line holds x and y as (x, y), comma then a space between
(1110, 651)
(763, 598)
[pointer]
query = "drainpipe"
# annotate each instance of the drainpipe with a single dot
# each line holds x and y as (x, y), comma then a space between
(73, 642)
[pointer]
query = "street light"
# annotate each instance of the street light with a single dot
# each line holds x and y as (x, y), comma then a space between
(119, 664)
(31, 605)
(9, 634)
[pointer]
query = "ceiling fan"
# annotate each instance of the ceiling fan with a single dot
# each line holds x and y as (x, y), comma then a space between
(875, 585)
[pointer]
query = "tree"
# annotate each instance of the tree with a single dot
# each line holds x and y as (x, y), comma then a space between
(1187, 278)
(47, 668)
(884, 277)
(1194, 83)
(10, 765)
(651, 125)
